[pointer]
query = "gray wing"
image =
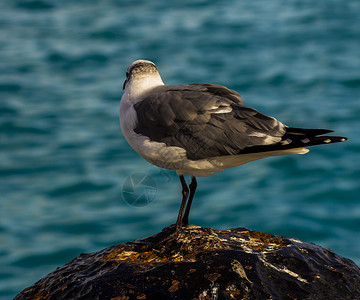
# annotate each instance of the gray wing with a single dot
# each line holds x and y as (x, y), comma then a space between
(206, 120)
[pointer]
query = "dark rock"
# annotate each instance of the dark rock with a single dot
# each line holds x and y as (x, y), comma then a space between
(204, 263)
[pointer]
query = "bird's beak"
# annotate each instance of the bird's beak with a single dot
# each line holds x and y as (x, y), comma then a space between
(125, 82)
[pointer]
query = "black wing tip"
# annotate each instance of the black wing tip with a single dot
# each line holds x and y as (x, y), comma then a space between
(332, 139)
(319, 140)
(306, 131)
(312, 136)
(303, 142)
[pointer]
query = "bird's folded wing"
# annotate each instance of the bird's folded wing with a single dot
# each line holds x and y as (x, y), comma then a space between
(206, 120)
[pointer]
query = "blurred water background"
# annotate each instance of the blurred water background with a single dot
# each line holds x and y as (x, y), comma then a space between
(64, 161)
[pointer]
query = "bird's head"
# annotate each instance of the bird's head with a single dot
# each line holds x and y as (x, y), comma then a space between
(141, 74)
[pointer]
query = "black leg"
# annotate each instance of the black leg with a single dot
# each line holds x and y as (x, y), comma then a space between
(192, 186)
(185, 193)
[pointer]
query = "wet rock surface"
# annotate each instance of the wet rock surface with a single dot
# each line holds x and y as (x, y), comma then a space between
(204, 263)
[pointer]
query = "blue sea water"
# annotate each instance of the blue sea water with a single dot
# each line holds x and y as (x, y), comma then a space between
(65, 165)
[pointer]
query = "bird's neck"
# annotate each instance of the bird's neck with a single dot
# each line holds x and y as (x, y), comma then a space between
(141, 85)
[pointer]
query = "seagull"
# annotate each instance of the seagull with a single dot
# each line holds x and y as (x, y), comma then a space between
(199, 129)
